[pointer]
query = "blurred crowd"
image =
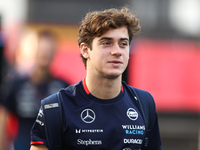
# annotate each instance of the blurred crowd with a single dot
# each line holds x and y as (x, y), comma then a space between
(26, 79)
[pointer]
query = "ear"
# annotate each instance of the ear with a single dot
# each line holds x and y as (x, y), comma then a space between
(84, 50)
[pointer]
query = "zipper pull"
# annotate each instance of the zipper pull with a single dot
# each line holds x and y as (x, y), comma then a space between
(135, 97)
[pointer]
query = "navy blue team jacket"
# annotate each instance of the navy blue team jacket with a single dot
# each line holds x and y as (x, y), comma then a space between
(93, 123)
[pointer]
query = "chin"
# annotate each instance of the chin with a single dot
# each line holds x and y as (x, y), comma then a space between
(113, 75)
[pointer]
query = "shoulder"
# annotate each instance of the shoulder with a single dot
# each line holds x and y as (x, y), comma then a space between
(71, 90)
(133, 89)
(141, 94)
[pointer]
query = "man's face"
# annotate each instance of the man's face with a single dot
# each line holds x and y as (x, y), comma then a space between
(45, 52)
(110, 53)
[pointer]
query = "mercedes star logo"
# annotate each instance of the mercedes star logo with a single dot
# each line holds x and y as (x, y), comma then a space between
(88, 115)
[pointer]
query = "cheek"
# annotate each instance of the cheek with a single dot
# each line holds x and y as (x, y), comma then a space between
(126, 59)
(97, 58)
(126, 55)
(100, 55)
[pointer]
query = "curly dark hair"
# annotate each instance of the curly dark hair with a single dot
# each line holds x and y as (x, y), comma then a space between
(96, 23)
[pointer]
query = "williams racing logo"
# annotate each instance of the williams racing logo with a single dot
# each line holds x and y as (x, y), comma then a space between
(134, 129)
(132, 114)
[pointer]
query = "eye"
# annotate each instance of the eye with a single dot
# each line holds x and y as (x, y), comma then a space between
(106, 43)
(124, 44)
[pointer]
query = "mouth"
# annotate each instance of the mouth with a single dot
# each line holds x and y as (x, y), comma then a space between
(115, 62)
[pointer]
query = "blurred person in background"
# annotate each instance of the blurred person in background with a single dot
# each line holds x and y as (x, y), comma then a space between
(23, 94)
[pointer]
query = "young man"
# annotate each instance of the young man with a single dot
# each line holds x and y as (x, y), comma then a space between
(101, 111)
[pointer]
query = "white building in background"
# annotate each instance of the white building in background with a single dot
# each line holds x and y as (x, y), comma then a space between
(184, 16)
(169, 18)
(12, 12)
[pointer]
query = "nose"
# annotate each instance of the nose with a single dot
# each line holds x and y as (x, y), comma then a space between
(116, 50)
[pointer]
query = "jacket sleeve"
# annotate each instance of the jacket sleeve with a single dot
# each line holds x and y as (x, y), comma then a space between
(38, 135)
(154, 137)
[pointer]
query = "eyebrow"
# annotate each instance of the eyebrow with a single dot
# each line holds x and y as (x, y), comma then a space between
(109, 38)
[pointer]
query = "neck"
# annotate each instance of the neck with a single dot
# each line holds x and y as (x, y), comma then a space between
(103, 88)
